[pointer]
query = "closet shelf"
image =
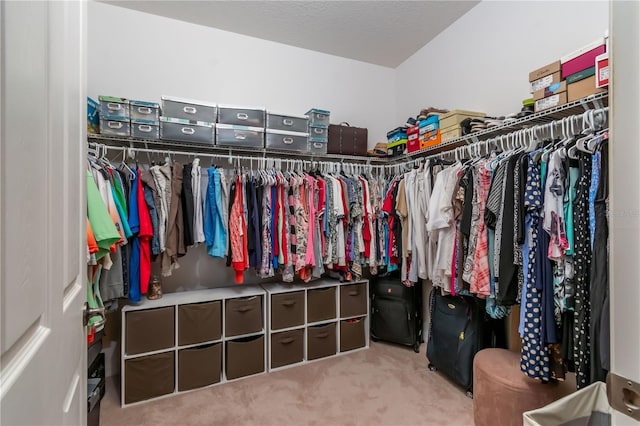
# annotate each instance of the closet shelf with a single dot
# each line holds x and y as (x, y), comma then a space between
(572, 108)
(214, 149)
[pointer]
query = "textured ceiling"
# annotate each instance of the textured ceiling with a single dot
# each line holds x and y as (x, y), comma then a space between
(379, 32)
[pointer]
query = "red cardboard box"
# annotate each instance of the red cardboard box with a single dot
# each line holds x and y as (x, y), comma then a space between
(582, 62)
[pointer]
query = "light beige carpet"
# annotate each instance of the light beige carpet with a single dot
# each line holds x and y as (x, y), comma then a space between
(384, 385)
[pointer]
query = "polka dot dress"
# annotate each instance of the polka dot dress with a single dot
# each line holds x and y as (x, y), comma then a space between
(582, 262)
(534, 361)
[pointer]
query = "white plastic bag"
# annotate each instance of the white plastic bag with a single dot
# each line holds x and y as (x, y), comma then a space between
(588, 406)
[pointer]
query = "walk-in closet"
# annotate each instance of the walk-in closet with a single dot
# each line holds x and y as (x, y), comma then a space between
(319, 212)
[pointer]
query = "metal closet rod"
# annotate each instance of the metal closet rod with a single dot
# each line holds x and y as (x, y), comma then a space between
(336, 165)
(567, 126)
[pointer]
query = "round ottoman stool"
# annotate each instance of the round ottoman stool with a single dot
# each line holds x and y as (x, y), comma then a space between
(501, 392)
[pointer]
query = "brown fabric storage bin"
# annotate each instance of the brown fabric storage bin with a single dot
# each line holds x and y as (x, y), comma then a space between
(287, 310)
(353, 300)
(321, 341)
(321, 304)
(287, 348)
(149, 376)
(347, 140)
(352, 334)
(243, 315)
(150, 330)
(245, 357)
(199, 322)
(198, 367)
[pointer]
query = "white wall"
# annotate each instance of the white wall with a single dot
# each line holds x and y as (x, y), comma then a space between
(482, 61)
(142, 56)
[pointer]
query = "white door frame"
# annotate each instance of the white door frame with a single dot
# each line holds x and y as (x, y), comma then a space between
(624, 184)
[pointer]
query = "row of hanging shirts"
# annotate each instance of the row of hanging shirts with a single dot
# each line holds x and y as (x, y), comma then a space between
(524, 225)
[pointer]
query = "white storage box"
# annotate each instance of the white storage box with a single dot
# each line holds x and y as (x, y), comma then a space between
(112, 108)
(240, 136)
(318, 148)
(289, 123)
(287, 141)
(241, 116)
(187, 109)
(114, 128)
(318, 117)
(145, 112)
(144, 130)
(186, 131)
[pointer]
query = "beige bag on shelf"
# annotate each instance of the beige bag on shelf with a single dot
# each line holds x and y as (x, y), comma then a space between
(588, 406)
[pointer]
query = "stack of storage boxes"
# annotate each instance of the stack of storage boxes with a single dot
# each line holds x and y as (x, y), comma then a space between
(93, 116)
(429, 132)
(547, 86)
(240, 126)
(288, 132)
(579, 69)
(115, 118)
(187, 120)
(450, 123)
(145, 119)
(318, 130)
(413, 138)
(397, 141)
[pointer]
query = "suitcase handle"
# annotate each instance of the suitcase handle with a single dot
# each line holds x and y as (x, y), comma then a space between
(287, 340)
(322, 335)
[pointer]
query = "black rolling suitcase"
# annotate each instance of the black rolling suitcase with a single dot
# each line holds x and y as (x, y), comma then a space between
(457, 333)
(396, 312)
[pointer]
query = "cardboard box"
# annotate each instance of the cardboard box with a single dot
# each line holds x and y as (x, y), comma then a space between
(602, 70)
(582, 89)
(582, 62)
(550, 102)
(545, 82)
(584, 49)
(455, 117)
(551, 90)
(433, 139)
(552, 68)
(413, 139)
(581, 75)
(450, 133)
